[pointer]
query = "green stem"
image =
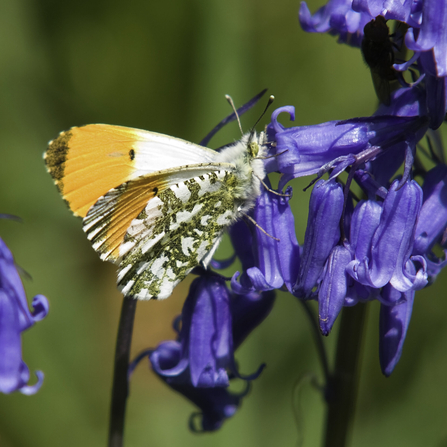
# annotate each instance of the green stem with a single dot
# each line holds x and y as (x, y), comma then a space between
(120, 387)
(318, 339)
(341, 390)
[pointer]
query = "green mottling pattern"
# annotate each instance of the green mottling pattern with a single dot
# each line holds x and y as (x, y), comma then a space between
(169, 248)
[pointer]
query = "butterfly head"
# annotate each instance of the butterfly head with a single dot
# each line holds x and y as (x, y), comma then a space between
(253, 149)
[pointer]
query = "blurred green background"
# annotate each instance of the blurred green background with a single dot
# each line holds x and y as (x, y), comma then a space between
(166, 66)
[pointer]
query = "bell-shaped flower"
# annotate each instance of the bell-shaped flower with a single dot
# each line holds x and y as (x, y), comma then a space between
(200, 364)
(206, 335)
(216, 404)
(391, 10)
(426, 21)
(431, 34)
(335, 145)
(338, 18)
(269, 250)
(432, 222)
(15, 318)
(391, 245)
(395, 315)
(334, 287)
(322, 234)
(364, 223)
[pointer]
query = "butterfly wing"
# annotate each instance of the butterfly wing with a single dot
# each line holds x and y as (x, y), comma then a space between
(178, 229)
(86, 162)
(155, 204)
(108, 221)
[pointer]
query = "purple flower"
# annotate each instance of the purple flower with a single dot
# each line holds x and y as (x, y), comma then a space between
(423, 27)
(394, 320)
(15, 318)
(206, 335)
(337, 18)
(215, 404)
(432, 222)
(403, 11)
(380, 248)
(387, 253)
(269, 252)
(429, 33)
(426, 20)
(334, 288)
(200, 364)
(335, 145)
(322, 234)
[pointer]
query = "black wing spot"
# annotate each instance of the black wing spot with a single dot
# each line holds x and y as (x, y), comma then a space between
(132, 154)
(155, 190)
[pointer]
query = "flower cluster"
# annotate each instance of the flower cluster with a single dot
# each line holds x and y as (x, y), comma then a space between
(377, 243)
(426, 21)
(375, 223)
(15, 318)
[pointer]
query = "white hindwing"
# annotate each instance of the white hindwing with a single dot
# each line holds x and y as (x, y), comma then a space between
(178, 230)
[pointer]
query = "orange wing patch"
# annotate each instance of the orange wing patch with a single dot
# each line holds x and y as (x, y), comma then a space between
(107, 222)
(86, 162)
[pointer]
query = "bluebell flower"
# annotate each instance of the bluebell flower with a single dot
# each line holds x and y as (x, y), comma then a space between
(15, 318)
(337, 18)
(432, 221)
(206, 335)
(270, 253)
(394, 320)
(423, 29)
(322, 234)
(335, 145)
(387, 258)
(428, 31)
(381, 248)
(200, 363)
(426, 20)
(430, 229)
(334, 287)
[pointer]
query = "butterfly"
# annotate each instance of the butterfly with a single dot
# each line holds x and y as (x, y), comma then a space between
(155, 205)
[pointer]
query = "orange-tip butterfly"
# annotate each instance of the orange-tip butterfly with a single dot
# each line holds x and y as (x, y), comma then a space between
(153, 204)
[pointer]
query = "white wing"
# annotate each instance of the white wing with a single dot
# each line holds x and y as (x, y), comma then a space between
(177, 231)
(156, 152)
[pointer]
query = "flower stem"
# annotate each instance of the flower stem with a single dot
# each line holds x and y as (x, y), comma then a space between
(318, 339)
(120, 387)
(341, 390)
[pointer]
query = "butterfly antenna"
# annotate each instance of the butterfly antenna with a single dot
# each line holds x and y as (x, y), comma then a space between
(250, 219)
(269, 103)
(230, 100)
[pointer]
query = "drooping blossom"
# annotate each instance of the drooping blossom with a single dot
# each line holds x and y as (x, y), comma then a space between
(15, 317)
(426, 21)
(422, 28)
(200, 363)
(379, 247)
(269, 251)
